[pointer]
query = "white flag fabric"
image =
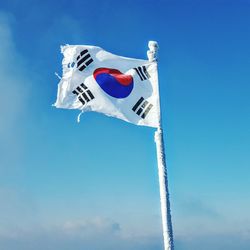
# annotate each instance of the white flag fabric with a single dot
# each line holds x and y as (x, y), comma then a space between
(96, 80)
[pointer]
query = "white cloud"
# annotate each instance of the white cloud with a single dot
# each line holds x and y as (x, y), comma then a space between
(90, 226)
(91, 234)
(105, 234)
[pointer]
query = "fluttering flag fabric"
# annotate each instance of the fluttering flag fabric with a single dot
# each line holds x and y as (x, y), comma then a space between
(96, 80)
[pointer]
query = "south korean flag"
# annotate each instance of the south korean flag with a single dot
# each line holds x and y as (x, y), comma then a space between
(96, 80)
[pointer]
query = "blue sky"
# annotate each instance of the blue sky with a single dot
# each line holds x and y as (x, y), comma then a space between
(94, 185)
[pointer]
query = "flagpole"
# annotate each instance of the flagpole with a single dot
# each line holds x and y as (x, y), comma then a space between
(162, 167)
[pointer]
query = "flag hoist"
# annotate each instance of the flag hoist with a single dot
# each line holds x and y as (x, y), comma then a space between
(126, 88)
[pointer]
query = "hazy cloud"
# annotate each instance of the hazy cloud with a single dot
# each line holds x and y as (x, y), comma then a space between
(200, 225)
(216, 241)
(14, 88)
(197, 207)
(14, 77)
(17, 209)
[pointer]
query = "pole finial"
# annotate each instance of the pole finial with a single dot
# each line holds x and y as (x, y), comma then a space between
(152, 52)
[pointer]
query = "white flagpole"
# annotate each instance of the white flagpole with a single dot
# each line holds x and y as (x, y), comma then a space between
(162, 168)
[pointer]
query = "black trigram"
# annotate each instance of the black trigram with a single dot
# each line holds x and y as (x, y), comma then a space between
(83, 60)
(142, 107)
(83, 93)
(142, 72)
